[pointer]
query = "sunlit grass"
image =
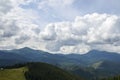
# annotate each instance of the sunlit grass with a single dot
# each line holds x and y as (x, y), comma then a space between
(13, 74)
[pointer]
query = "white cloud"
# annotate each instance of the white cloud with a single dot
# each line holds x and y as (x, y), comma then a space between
(49, 33)
(7, 5)
(91, 30)
(18, 28)
(82, 48)
(17, 25)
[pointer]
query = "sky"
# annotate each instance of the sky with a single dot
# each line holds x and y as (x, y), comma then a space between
(60, 26)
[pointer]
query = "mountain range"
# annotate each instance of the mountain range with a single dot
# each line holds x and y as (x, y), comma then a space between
(94, 63)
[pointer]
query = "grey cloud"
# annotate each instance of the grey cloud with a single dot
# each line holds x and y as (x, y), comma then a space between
(56, 45)
(53, 46)
(8, 28)
(36, 30)
(5, 6)
(22, 39)
(7, 47)
(11, 30)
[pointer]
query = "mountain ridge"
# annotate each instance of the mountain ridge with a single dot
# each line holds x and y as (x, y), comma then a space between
(37, 55)
(85, 63)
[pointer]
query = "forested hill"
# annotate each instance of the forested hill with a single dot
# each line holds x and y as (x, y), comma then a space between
(112, 78)
(36, 71)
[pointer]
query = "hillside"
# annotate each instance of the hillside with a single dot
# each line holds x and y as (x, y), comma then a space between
(106, 68)
(36, 71)
(13, 74)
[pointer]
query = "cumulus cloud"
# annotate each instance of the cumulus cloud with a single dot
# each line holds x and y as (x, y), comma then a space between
(90, 30)
(7, 5)
(19, 28)
(49, 33)
(17, 25)
(8, 28)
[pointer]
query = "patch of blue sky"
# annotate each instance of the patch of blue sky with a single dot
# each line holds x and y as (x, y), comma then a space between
(98, 6)
(47, 15)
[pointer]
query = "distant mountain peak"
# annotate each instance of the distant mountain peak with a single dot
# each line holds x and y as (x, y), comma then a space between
(94, 50)
(26, 48)
(101, 52)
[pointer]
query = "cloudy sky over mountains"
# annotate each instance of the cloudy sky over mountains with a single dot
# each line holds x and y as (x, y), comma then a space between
(67, 26)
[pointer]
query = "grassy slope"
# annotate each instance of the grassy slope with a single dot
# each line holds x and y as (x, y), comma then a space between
(13, 74)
